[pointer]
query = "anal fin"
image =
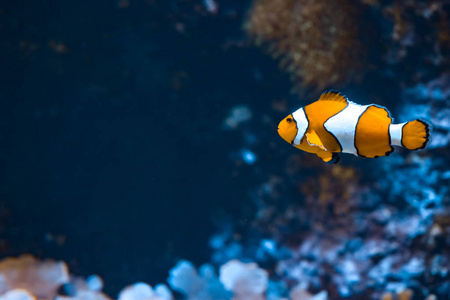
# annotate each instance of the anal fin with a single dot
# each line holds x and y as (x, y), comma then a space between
(334, 159)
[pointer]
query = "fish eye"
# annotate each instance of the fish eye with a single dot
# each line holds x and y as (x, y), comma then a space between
(289, 120)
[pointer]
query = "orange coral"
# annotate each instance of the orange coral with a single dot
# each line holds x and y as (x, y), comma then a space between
(26, 272)
(317, 40)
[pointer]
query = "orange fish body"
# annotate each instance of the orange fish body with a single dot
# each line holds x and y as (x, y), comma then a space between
(333, 124)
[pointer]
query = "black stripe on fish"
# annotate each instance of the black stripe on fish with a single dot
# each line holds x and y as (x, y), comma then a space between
(427, 133)
(354, 134)
(340, 145)
(292, 143)
(388, 133)
(307, 119)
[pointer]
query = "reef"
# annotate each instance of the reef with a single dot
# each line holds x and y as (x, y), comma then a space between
(322, 44)
(27, 278)
(317, 41)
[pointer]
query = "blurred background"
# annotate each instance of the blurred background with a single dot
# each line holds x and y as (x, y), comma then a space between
(136, 133)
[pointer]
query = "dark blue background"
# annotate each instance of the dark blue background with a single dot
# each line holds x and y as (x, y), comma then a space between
(117, 143)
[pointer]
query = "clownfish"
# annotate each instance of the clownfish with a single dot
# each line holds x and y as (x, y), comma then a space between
(333, 124)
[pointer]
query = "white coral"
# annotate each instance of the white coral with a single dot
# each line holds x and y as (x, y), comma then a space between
(143, 291)
(245, 280)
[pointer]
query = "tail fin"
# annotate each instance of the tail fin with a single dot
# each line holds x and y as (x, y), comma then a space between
(416, 134)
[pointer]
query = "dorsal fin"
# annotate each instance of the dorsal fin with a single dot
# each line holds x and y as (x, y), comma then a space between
(333, 95)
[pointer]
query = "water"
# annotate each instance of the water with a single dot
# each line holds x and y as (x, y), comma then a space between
(118, 156)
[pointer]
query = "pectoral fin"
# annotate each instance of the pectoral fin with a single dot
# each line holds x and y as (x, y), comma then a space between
(328, 157)
(314, 140)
